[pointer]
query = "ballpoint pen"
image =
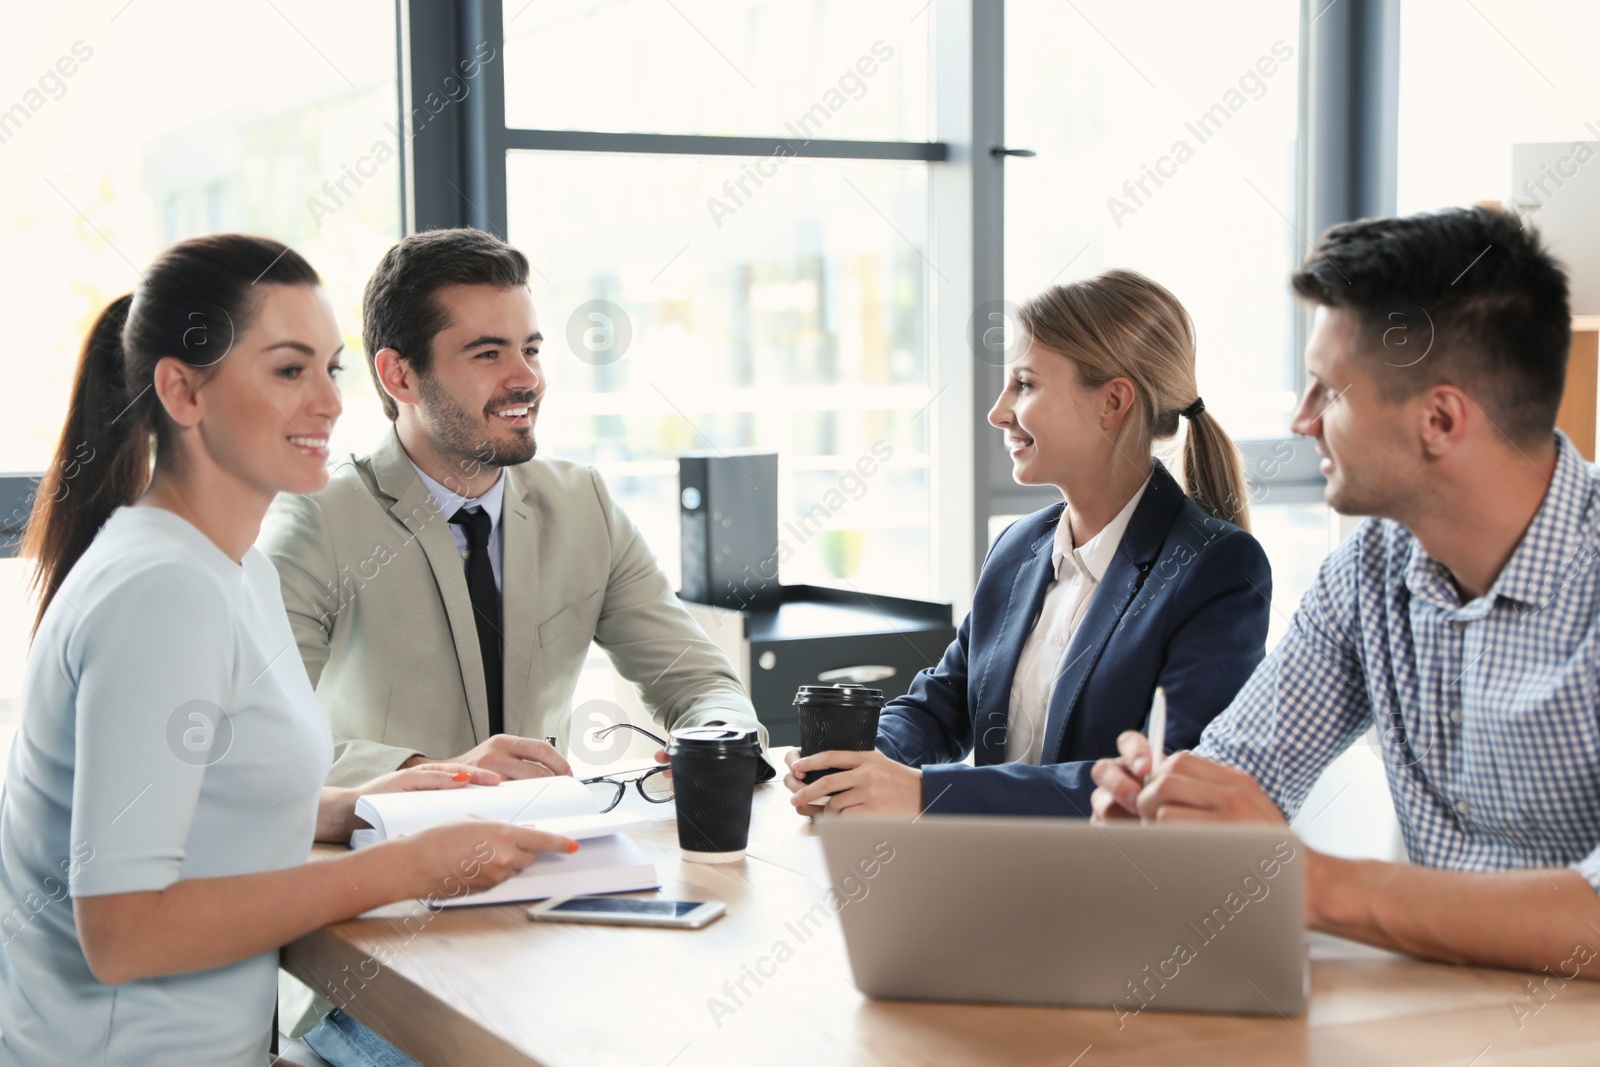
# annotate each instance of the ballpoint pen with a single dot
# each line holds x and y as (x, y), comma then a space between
(1158, 728)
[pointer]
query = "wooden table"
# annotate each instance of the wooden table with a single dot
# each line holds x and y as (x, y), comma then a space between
(484, 986)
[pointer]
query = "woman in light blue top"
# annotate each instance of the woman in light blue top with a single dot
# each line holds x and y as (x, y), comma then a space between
(165, 785)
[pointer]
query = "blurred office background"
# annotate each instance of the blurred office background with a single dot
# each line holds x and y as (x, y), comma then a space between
(767, 223)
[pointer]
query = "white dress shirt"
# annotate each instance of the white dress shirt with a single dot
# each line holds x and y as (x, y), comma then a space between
(450, 502)
(1078, 573)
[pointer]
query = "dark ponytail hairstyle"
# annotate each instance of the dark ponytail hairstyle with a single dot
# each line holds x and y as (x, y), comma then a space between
(195, 299)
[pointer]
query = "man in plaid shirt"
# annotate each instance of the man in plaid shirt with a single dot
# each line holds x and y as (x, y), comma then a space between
(1460, 620)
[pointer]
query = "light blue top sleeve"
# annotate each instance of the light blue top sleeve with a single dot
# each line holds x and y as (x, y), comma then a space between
(172, 658)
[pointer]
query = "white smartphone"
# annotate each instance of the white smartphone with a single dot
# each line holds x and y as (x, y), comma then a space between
(628, 911)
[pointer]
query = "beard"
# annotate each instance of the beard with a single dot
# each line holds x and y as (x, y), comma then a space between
(463, 436)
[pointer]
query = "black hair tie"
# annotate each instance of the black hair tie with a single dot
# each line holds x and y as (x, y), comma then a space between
(1193, 409)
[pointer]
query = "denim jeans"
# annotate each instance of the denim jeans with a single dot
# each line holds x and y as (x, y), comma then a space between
(345, 1042)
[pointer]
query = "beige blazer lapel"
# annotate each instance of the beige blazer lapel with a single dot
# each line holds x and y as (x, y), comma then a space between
(415, 507)
(519, 604)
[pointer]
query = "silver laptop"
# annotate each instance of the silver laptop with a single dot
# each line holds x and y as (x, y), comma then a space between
(1059, 911)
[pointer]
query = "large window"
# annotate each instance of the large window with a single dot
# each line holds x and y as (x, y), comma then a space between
(124, 128)
(797, 327)
(1172, 153)
(764, 299)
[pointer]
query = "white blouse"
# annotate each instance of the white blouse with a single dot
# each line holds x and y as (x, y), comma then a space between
(1078, 574)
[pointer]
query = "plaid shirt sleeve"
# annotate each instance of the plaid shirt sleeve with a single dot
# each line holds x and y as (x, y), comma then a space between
(1307, 701)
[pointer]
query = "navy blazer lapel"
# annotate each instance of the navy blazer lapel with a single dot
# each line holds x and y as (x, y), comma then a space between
(1028, 588)
(1141, 542)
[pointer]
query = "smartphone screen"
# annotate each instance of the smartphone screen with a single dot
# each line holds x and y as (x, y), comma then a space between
(660, 909)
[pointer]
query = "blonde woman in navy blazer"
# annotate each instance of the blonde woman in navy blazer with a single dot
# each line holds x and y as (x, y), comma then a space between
(1135, 580)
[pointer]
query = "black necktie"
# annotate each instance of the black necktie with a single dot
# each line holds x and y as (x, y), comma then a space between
(485, 607)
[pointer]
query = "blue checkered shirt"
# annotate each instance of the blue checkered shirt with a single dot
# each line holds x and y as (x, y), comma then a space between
(1485, 712)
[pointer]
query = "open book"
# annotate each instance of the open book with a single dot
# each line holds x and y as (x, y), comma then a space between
(606, 862)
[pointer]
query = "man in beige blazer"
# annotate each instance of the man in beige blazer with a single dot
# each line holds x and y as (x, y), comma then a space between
(393, 623)
(373, 575)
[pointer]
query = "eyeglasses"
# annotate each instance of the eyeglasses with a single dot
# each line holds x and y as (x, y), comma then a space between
(652, 785)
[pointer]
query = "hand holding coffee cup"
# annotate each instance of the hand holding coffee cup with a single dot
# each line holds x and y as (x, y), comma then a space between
(837, 718)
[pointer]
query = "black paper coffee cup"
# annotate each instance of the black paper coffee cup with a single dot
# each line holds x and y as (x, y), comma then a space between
(713, 780)
(837, 718)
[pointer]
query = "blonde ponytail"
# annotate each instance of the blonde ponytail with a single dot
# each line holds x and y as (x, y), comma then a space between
(1212, 474)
